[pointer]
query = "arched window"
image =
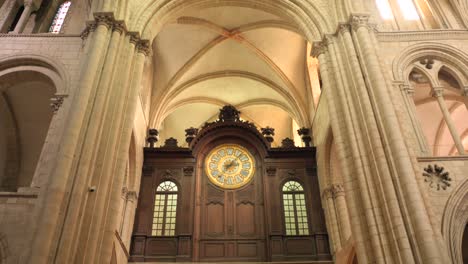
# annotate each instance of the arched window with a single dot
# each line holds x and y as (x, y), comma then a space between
(295, 211)
(165, 209)
(57, 23)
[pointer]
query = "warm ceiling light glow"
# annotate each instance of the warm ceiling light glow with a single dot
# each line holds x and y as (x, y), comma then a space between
(385, 9)
(408, 9)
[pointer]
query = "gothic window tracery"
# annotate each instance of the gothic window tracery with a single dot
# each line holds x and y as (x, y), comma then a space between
(165, 209)
(59, 18)
(295, 211)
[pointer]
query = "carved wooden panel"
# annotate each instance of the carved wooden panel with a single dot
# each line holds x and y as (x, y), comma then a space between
(214, 219)
(245, 217)
(247, 250)
(213, 250)
(218, 225)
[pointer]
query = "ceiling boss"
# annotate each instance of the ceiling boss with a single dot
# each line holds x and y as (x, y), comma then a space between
(230, 166)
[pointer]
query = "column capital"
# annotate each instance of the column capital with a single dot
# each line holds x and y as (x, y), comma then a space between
(144, 47)
(438, 91)
(318, 48)
(119, 26)
(343, 28)
(359, 20)
(134, 37)
(56, 102)
(131, 196)
(327, 193)
(337, 190)
(104, 18)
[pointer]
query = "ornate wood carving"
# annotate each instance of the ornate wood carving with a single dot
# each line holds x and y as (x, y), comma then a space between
(244, 224)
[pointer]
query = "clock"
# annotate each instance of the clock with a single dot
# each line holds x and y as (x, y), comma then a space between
(230, 166)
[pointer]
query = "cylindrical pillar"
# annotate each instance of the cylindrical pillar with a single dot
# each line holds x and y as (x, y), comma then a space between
(49, 213)
(342, 211)
(326, 70)
(411, 198)
(129, 217)
(106, 155)
(121, 157)
(438, 94)
(332, 221)
(28, 8)
(80, 210)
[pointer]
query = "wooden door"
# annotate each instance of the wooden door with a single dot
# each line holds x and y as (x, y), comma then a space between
(232, 222)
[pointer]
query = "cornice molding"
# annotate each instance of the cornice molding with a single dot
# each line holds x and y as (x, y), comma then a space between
(427, 35)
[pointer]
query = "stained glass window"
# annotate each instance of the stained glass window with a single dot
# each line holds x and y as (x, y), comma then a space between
(57, 23)
(295, 210)
(165, 209)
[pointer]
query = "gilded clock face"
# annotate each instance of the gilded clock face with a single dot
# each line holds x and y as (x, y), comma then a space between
(230, 166)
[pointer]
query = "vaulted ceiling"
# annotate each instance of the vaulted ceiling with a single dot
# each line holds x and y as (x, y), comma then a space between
(211, 57)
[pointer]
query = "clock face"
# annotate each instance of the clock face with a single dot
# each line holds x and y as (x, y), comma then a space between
(230, 166)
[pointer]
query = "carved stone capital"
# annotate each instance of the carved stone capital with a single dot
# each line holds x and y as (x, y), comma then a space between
(327, 193)
(90, 27)
(337, 190)
(343, 28)
(124, 191)
(131, 196)
(119, 26)
(104, 18)
(359, 20)
(143, 46)
(318, 48)
(134, 37)
(56, 102)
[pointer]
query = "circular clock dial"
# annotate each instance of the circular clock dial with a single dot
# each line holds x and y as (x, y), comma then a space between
(230, 166)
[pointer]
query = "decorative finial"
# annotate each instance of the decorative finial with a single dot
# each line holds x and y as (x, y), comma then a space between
(304, 133)
(152, 137)
(190, 134)
(268, 133)
(229, 114)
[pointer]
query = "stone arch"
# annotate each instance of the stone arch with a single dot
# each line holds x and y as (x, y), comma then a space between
(454, 221)
(451, 57)
(312, 26)
(28, 82)
(47, 66)
(452, 63)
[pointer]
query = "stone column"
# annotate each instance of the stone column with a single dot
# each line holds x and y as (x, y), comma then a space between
(129, 218)
(143, 50)
(7, 15)
(338, 122)
(327, 196)
(410, 200)
(438, 94)
(28, 8)
(407, 93)
(102, 176)
(75, 234)
(342, 211)
(54, 196)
